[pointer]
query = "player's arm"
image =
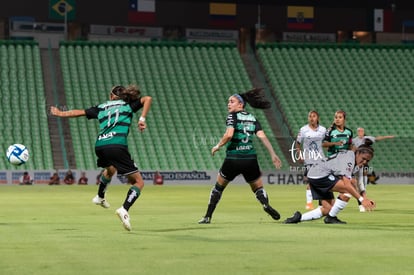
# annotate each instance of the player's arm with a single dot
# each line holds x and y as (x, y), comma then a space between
(263, 138)
(69, 113)
(223, 141)
(328, 144)
(350, 188)
(298, 151)
(383, 137)
(146, 102)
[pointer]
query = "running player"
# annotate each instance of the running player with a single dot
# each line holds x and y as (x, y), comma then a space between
(111, 148)
(360, 139)
(335, 175)
(241, 156)
(309, 147)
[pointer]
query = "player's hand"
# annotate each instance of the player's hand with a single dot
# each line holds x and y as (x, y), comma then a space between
(368, 204)
(276, 162)
(54, 110)
(142, 126)
(214, 150)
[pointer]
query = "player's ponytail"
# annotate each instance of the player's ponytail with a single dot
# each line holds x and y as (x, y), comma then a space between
(368, 142)
(256, 98)
(127, 94)
(117, 90)
(132, 93)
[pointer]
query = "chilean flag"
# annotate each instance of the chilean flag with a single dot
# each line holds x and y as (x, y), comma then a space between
(141, 11)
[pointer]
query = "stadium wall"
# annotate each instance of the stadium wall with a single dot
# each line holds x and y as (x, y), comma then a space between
(294, 177)
(343, 15)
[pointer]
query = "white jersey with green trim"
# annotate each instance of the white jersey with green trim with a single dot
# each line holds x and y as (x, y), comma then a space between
(339, 164)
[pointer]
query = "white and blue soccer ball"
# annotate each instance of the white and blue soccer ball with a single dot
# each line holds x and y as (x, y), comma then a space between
(17, 154)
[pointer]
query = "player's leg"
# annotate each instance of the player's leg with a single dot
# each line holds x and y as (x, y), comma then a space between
(104, 180)
(340, 203)
(215, 196)
(262, 197)
(137, 184)
(228, 171)
(344, 189)
(252, 174)
(309, 198)
(320, 189)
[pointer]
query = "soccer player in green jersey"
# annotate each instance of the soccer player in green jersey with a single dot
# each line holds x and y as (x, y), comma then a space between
(241, 156)
(338, 137)
(111, 148)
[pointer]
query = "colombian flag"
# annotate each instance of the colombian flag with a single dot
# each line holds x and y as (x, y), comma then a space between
(141, 11)
(223, 15)
(300, 18)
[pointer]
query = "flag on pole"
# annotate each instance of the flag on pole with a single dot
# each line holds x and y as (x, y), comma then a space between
(382, 20)
(57, 9)
(222, 15)
(141, 11)
(300, 18)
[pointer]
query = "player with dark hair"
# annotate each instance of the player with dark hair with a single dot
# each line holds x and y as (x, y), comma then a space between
(338, 136)
(241, 156)
(111, 147)
(334, 174)
(309, 147)
(362, 180)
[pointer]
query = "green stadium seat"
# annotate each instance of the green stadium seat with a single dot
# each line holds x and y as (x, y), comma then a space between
(189, 84)
(21, 79)
(357, 79)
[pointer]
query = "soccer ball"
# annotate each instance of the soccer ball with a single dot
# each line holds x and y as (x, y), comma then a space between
(17, 154)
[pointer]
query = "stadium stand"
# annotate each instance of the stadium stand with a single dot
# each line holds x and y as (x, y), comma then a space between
(23, 118)
(189, 83)
(373, 84)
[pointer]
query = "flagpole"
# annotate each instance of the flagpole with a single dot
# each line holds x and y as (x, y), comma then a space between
(66, 22)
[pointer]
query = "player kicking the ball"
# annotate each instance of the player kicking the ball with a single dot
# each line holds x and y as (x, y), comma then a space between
(241, 157)
(111, 148)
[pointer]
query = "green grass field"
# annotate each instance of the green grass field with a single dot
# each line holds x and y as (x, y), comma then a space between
(57, 230)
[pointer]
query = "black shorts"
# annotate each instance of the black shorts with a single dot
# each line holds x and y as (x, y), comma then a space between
(321, 188)
(118, 157)
(249, 168)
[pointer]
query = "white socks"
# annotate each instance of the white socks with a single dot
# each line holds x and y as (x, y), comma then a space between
(312, 215)
(337, 207)
(309, 197)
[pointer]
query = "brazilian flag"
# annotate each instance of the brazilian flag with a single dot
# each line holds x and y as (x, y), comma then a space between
(57, 9)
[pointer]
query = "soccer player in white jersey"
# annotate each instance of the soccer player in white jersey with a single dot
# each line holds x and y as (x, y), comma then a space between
(334, 174)
(360, 139)
(309, 148)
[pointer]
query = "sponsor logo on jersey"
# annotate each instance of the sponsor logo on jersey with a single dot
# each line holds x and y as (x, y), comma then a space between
(107, 135)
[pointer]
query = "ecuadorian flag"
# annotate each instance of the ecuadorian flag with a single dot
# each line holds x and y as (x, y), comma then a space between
(223, 15)
(300, 18)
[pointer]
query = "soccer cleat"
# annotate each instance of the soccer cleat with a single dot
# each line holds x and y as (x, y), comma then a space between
(295, 218)
(309, 206)
(272, 212)
(100, 201)
(204, 220)
(124, 217)
(333, 220)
